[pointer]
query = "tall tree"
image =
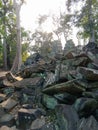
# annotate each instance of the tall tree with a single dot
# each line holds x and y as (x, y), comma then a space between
(86, 17)
(66, 27)
(18, 59)
(62, 26)
(42, 39)
(8, 33)
(57, 27)
(4, 37)
(6, 25)
(3, 11)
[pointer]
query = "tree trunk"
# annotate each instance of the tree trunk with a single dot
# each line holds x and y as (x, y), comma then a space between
(91, 24)
(5, 44)
(18, 59)
(5, 54)
(8, 56)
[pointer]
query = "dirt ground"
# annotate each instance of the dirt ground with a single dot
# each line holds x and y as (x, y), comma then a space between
(2, 73)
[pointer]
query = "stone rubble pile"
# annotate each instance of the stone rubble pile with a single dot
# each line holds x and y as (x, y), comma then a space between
(58, 94)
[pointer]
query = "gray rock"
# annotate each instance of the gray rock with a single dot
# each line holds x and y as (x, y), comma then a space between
(87, 124)
(49, 101)
(38, 111)
(96, 114)
(9, 104)
(89, 74)
(8, 120)
(37, 124)
(82, 54)
(48, 126)
(67, 117)
(50, 79)
(93, 66)
(8, 90)
(2, 112)
(93, 85)
(66, 98)
(69, 55)
(57, 71)
(8, 128)
(91, 95)
(2, 97)
(85, 106)
(82, 82)
(28, 82)
(25, 117)
(77, 61)
(71, 87)
(33, 58)
(64, 73)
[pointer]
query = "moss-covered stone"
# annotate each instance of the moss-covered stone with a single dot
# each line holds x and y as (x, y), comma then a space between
(49, 101)
(85, 106)
(71, 87)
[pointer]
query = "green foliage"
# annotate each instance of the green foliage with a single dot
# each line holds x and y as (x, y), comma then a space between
(8, 32)
(42, 41)
(86, 18)
(65, 22)
(42, 19)
(69, 3)
(25, 53)
(63, 25)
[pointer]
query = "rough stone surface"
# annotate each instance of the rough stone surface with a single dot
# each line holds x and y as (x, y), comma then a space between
(7, 119)
(87, 124)
(2, 97)
(49, 101)
(9, 104)
(26, 116)
(48, 126)
(70, 87)
(28, 82)
(85, 106)
(8, 128)
(67, 117)
(37, 124)
(89, 74)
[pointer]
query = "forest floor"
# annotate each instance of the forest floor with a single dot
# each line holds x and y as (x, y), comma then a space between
(3, 73)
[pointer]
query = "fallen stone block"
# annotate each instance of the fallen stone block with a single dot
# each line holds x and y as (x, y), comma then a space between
(25, 117)
(67, 117)
(28, 82)
(2, 97)
(48, 126)
(8, 128)
(38, 124)
(9, 104)
(89, 74)
(71, 87)
(87, 124)
(85, 106)
(8, 120)
(49, 101)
